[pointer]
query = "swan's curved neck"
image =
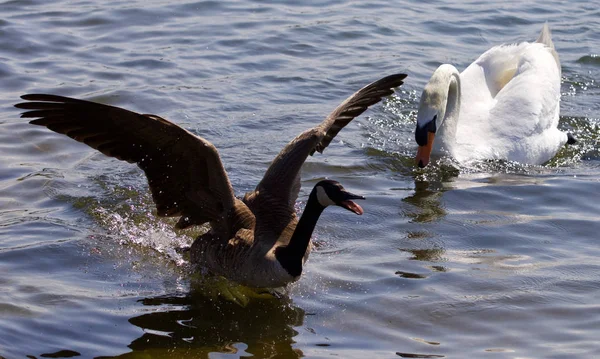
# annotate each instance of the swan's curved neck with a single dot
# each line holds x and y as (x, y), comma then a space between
(443, 93)
(291, 256)
(448, 130)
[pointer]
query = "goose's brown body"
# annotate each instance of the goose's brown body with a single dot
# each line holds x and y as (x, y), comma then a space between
(247, 238)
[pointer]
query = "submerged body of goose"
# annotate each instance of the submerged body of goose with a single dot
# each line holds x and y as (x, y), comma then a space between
(503, 106)
(257, 241)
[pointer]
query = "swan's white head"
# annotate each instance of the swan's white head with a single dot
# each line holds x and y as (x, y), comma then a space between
(440, 96)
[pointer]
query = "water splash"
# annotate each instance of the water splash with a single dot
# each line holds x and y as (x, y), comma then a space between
(127, 213)
(151, 233)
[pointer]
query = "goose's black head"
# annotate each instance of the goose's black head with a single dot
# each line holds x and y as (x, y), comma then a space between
(325, 193)
(329, 192)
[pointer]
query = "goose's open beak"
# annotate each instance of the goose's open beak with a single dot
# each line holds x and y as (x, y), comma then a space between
(424, 152)
(351, 205)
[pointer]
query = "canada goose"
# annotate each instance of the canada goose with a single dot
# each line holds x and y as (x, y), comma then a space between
(504, 106)
(258, 241)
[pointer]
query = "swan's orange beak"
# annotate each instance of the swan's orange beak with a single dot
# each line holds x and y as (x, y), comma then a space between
(424, 152)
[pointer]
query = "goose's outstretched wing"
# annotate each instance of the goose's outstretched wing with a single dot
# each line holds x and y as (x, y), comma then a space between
(184, 171)
(281, 183)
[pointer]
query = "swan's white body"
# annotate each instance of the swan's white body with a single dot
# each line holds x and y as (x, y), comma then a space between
(505, 105)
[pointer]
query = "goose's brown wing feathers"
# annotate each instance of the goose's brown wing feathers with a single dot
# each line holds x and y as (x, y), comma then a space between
(184, 171)
(355, 105)
(281, 182)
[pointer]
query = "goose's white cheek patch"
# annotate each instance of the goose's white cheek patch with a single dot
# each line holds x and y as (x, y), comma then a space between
(323, 198)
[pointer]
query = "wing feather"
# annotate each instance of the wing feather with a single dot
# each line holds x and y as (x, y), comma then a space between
(184, 171)
(281, 182)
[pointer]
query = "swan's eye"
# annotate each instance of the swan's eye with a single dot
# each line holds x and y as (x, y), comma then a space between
(432, 125)
(421, 132)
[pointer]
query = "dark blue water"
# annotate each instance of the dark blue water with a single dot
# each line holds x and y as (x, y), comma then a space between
(496, 260)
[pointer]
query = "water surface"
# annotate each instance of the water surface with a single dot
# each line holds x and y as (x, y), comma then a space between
(496, 260)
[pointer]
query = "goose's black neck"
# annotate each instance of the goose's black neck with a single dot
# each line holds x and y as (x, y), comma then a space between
(291, 256)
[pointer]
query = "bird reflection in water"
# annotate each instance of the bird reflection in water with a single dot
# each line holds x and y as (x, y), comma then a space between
(196, 325)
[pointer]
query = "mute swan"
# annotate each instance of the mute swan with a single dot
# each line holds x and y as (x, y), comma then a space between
(505, 105)
(257, 241)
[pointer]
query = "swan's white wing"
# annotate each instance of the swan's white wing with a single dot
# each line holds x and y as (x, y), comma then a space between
(524, 119)
(481, 83)
(510, 104)
(546, 39)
